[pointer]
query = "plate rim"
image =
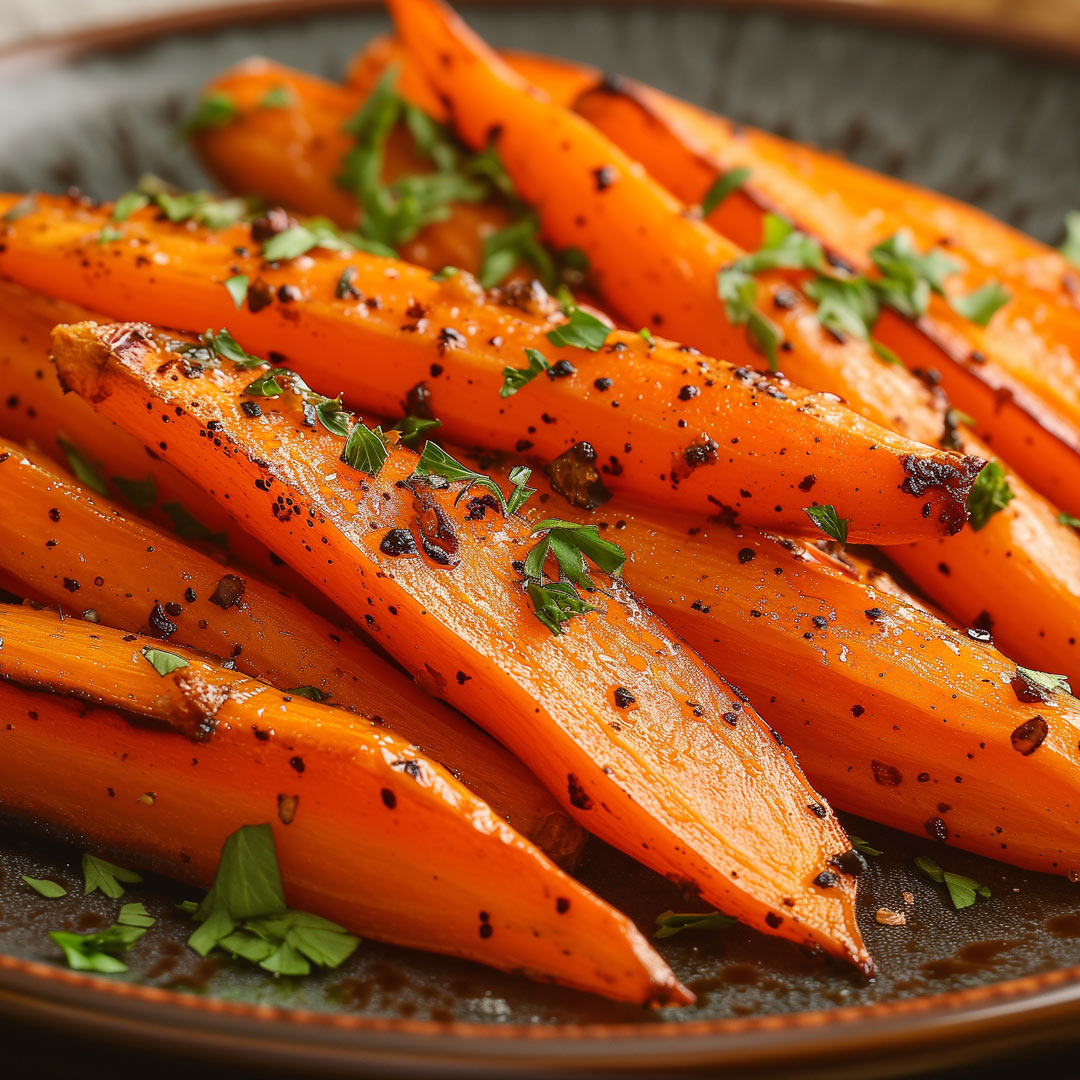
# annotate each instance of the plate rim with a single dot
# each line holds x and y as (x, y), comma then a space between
(1031, 1005)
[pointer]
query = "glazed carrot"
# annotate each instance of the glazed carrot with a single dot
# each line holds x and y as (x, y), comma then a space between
(652, 262)
(293, 153)
(622, 722)
(69, 547)
(1017, 376)
(900, 718)
(687, 432)
(369, 832)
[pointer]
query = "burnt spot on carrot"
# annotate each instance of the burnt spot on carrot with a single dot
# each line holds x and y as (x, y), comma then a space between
(398, 542)
(229, 592)
(946, 476)
(389, 799)
(579, 797)
(885, 774)
(1029, 736)
(159, 622)
(936, 829)
(575, 476)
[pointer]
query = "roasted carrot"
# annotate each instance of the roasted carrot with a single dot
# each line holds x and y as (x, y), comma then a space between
(686, 431)
(657, 756)
(369, 832)
(899, 717)
(293, 153)
(67, 546)
(652, 262)
(1017, 377)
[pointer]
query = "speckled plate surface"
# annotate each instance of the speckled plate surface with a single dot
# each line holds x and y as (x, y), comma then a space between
(980, 123)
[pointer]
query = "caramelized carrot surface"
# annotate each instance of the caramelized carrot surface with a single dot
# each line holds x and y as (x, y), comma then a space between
(639, 739)
(69, 547)
(687, 432)
(1017, 377)
(369, 832)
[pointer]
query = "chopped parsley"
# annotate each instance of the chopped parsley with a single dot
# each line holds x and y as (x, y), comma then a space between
(108, 234)
(312, 693)
(365, 450)
(738, 290)
(98, 952)
(1044, 680)
(237, 288)
(329, 412)
(519, 477)
(223, 344)
(87, 472)
(908, 276)
(142, 494)
(570, 544)
(1068, 519)
(44, 887)
(582, 331)
(989, 494)
(724, 185)
(277, 97)
(979, 306)
(962, 890)
(213, 111)
(164, 663)
(128, 204)
(244, 913)
(189, 527)
(415, 428)
(441, 470)
(669, 923)
(862, 847)
(1070, 247)
(515, 378)
(828, 521)
(848, 307)
(106, 876)
(445, 273)
(646, 335)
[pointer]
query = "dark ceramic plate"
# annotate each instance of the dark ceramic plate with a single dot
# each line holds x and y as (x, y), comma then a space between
(982, 124)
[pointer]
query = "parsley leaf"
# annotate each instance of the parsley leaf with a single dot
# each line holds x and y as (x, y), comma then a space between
(724, 185)
(244, 913)
(516, 244)
(135, 915)
(86, 471)
(555, 603)
(313, 693)
(909, 276)
(142, 494)
(106, 876)
(277, 97)
(445, 273)
(519, 477)
(669, 923)
(441, 470)
(97, 952)
(237, 287)
(583, 331)
(213, 111)
(738, 290)
(979, 306)
(1070, 248)
(365, 450)
(1068, 519)
(414, 428)
(128, 204)
(571, 544)
(783, 247)
(1044, 680)
(290, 243)
(164, 663)
(861, 846)
(828, 521)
(44, 887)
(225, 345)
(108, 234)
(989, 494)
(515, 378)
(962, 890)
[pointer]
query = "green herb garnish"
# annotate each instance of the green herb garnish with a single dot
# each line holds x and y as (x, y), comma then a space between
(582, 331)
(164, 663)
(724, 185)
(98, 952)
(1068, 519)
(555, 603)
(277, 97)
(979, 306)
(571, 545)
(312, 693)
(26, 205)
(1044, 680)
(44, 887)
(366, 450)
(828, 521)
(87, 472)
(415, 428)
(962, 890)
(106, 876)
(861, 846)
(108, 234)
(445, 273)
(142, 494)
(213, 111)
(237, 287)
(670, 923)
(515, 378)
(989, 494)
(128, 204)
(441, 470)
(189, 527)
(519, 477)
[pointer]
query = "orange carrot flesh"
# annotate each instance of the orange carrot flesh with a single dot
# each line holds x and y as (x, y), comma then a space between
(436, 867)
(121, 573)
(1013, 376)
(623, 723)
(653, 263)
(900, 718)
(688, 432)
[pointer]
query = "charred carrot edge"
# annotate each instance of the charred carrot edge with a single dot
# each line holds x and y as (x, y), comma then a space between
(1009, 376)
(34, 410)
(687, 432)
(118, 572)
(293, 153)
(228, 751)
(899, 717)
(637, 749)
(653, 263)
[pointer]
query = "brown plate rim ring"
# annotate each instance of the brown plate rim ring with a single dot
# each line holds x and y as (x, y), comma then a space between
(1033, 1004)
